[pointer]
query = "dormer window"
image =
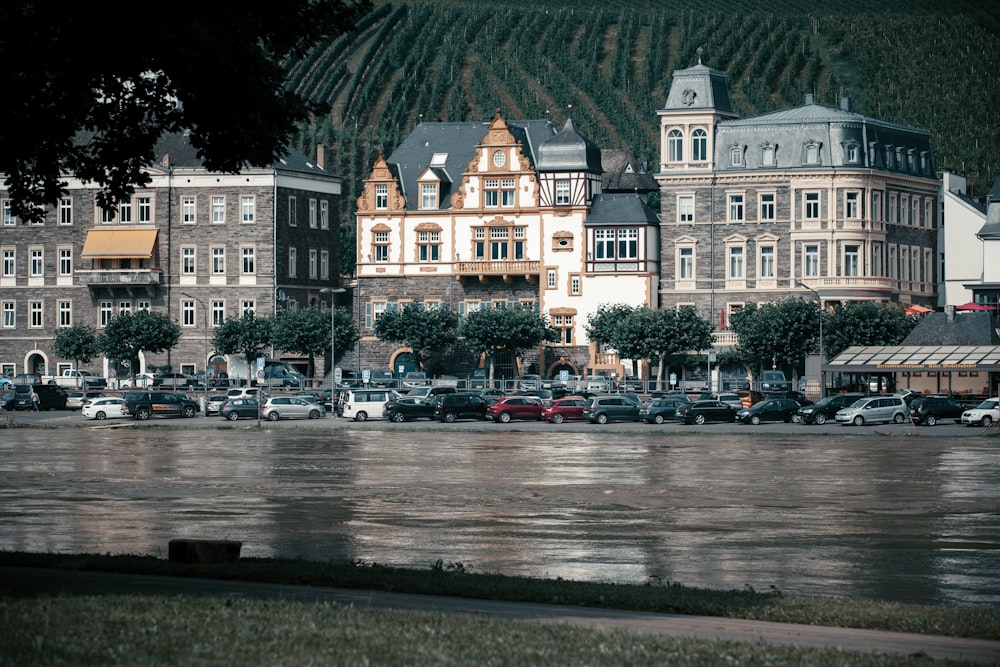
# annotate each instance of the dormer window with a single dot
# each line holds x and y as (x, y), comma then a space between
(428, 195)
(736, 156)
(381, 197)
(812, 152)
(767, 155)
(852, 153)
(499, 159)
(439, 160)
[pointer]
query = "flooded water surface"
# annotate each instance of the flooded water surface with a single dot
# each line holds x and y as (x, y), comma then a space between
(904, 519)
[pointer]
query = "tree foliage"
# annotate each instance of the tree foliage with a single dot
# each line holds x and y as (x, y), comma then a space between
(425, 331)
(128, 334)
(865, 323)
(778, 333)
(668, 332)
(79, 343)
(248, 336)
(514, 329)
(306, 331)
(215, 69)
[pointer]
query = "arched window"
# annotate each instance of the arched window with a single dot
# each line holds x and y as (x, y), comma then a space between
(700, 146)
(675, 145)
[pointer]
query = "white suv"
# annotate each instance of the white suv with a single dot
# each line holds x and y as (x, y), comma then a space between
(986, 413)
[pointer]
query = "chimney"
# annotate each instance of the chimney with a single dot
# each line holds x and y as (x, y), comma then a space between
(321, 156)
(845, 103)
(810, 98)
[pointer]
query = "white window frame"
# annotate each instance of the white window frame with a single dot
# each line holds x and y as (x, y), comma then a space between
(65, 261)
(324, 264)
(313, 264)
(562, 189)
(65, 211)
(105, 311)
(189, 210)
(767, 207)
(767, 261)
(218, 312)
(685, 208)
(248, 210)
(852, 205)
(8, 314)
(811, 260)
(685, 260)
(144, 209)
(811, 205)
(188, 318)
(736, 256)
(428, 196)
(248, 260)
(324, 214)
(675, 145)
(292, 212)
(218, 210)
(218, 260)
(313, 214)
(36, 262)
(736, 209)
(189, 260)
(293, 257)
(381, 197)
(699, 145)
(36, 314)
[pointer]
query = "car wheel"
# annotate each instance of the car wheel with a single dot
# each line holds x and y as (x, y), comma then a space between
(450, 417)
(658, 419)
(233, 416)
(820, 418)
(986, 422)
(273, 416)
(314, 414)
(504, 417)
(397, 417)
(142, 414)
(931, 420)
(557, 418)
(699, 419)
(898, 418)
(602, 418)
(188, 412)
(859, 421)
(100, 415)
(361, 416)
(755, 420)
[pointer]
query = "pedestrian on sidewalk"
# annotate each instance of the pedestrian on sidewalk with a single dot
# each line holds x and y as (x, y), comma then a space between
(34, 400)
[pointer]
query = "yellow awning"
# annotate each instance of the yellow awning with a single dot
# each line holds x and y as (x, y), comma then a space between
(119, 244)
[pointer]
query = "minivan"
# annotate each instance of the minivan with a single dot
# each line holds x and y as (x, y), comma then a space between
(363, 404)
(874, 409)
(50, 397)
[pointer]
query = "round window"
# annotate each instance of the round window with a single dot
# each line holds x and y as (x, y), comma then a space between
(499, 158)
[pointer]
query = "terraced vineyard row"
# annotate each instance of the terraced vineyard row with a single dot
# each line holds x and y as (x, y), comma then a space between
(456, 61)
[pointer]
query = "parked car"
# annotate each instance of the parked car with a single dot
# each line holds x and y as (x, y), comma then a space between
(6, 383)
(50, 397)
(430, 393)
(363, 404)
(404, 408)
(659, 410)
(873, 409)
(824, 409)
(413, 379)
(569, 408)
(381, 378)
(986, 413)
(171, 381)
(515, 407)
(145, 404)
(77, 399)
(748, 397)
(141, 380)
(461, 406)
(529, 382)
(604, 409)
(105, 407)
(933, 409)
(768, 410)
(213, 403)
(729, 397)
(279, 375)
(236, 408)
(7, 400)
(291, 407)
(701, 412)
(774, 380)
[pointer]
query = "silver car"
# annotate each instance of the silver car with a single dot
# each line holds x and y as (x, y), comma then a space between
(874, 409)
(291, 407)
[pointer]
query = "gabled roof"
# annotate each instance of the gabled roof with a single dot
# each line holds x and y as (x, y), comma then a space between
(621, 209)
(623, 173)
(174, 150)
(975, 328)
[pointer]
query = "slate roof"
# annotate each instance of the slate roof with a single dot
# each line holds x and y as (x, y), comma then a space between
(175, 150)
(621, 209)
(991, 229)
(972, 328)
(623, 173)
(569, 151)
(699, 87)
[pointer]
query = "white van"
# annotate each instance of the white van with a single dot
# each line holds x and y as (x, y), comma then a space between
(363, 404)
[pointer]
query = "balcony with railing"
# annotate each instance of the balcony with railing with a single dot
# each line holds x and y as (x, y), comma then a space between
(129, 279)
(507, 270)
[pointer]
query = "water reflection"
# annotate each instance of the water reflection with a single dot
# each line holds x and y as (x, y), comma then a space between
(906, 520)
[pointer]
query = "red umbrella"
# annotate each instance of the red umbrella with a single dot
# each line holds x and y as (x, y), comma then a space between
(974, 306)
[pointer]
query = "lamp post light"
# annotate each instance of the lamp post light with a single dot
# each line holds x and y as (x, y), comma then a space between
(819, 298)
(356, 285)
(204, 369)
(333, 292)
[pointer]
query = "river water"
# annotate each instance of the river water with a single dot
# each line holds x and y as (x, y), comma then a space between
(894, 518)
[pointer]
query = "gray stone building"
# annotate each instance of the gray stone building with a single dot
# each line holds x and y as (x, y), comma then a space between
(196, 245)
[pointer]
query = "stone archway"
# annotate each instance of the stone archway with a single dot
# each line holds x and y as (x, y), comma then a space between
(36, 362)
(561, 364)
(402, 361)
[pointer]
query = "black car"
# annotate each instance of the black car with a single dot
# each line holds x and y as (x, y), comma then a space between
(145, 404)
(824, 409)
(235, 408)
(50, 397)
(701, 412)
(932, 409)
(769, 410)
(404, 408)
(660, 410)
(460, 406)
(171, 380)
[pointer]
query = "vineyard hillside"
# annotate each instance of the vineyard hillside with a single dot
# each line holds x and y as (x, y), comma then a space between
(921, 63)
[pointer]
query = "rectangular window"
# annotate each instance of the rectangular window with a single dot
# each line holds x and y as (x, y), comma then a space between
(499, 246)
(65, 313)
(736, 262)
(187, 261)
(65, 211)
(811, 261)
(144, 209)
(852, 205)
(65, 261)
(685, 208)
(35, 314)
(187, 313)
(915, 212)
(428, 195)
(876, 206)
(562, 192)
(107, 215)
(313, 264)
(219, 260)
(218, 210)
(766, 207)
(124, 307)
(812, 206)
(248, 209)
(36, 266)
(141, 304)
(381, 246)
(428, 246)
(551, 280)
(125, 212)
(248, 307)
(292, 212)
(218, 312)
(767, 262)
(293, 256)
(507, 193)
(9, 318)
(9, 262)
(491, 192)
(575, 285)
(736, 208)
(187, 210)
(324, 214)
(248, 267)
(8, 216)
(892, 209)
(685, 264)
(313, 214)
(381, 197)
(903, 208)
(604, 244)
(628, 244)
(104, 313)
(324, 264)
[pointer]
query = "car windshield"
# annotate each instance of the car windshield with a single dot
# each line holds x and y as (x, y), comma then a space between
(858, 403)
(988, 404)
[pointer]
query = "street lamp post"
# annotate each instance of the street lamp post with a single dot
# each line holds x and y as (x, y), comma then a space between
(819, 298)
(204, 368)
(333, 291)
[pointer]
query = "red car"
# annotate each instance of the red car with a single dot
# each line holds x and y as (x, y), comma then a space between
(568, 408)
(515, 407)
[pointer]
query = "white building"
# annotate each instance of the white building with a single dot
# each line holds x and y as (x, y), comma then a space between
(960, 250)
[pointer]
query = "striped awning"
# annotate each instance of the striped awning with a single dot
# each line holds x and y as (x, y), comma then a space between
(119, 244)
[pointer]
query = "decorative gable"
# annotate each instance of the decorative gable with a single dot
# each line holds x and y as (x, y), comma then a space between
(391, 199)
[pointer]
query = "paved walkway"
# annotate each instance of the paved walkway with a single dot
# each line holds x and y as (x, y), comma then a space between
(40, 580)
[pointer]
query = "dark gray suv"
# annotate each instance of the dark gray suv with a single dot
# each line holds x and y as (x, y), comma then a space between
(604, 409)
(460, 406)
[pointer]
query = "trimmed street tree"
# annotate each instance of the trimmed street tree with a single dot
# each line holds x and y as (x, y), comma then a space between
(514, 328)
(668, 332)
(248, 336)
(307, 331)
(128, 334)
(426, 331)
(865, 323)
(777, 334)
(618, 327)
(79, 343)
